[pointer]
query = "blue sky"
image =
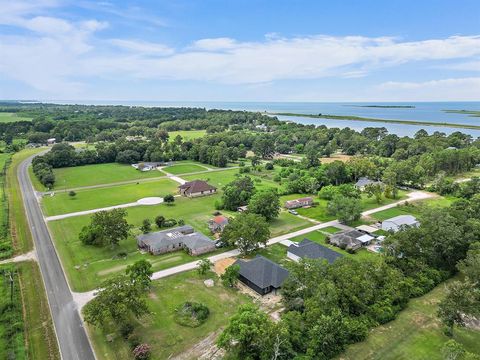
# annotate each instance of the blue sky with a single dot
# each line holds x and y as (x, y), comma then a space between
(396, 50)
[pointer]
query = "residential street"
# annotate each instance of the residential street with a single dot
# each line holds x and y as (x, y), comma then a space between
(72, 337)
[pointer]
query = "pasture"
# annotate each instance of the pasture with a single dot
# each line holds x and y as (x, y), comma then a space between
(160, 330)
(187, 134)
(185, 168)
(6, 117)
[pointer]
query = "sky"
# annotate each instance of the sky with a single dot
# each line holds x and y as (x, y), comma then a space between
(225, 50)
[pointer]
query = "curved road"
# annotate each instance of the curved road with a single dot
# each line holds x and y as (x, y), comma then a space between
(72, 337)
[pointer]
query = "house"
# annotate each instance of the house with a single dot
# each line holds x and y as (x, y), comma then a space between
(350, 239)
(148, 166)
(398, 222)
(196, 188)
(217, 224)
(261, 275)
(298, 203)
(364, 182)
(242, 208)
(179, 238)
(307, 249)
(51, 141)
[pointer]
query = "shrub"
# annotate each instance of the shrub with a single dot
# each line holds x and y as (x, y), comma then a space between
(126, 329)
(269, 166)
(160, 220)
(169, 223)
(191, 314)
(142, 352)
(181, 222)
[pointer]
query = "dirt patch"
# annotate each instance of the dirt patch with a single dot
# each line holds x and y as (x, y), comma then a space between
(220, 266)
(334, 157)
(205, 349)
(153, 296)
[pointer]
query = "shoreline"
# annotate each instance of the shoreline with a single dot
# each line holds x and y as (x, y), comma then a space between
(387, 121)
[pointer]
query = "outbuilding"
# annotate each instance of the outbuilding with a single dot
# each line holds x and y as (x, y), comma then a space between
(398, 222)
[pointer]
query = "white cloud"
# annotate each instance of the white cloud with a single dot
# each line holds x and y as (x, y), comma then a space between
(142, 47)
(215, 44)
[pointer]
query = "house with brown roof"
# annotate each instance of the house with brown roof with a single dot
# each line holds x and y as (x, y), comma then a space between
(196, 188)
(217, 224)
(298, 203)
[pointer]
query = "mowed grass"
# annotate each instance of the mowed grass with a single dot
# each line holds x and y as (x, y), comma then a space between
(415, 334)
(184, 169)
(6, 117)
(97, 174)
(187, 134)
(87, 199)
(320, 238)
(160, 330)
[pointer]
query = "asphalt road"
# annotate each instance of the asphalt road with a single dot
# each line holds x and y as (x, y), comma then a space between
(71, 335)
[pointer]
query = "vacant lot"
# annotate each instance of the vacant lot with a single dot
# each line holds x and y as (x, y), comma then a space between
(187, 134)
(78, 176)
(415, 334)
(6, 117)
(63, 203)
(160, 329)
(184, 169)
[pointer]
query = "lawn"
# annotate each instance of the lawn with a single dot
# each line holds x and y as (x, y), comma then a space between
(287, 223)
(320, 238)
(187, 134)
(6, 249)
(88, 175)
(160, 330)
(6, 117)
(63, 203)
(184, 169)
(415, 334)
(276, 252)
(19, 229)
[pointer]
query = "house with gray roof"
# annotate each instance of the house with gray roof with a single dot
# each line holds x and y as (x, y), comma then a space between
(261, 274)
(398, 222)
(307, 249)
(179, 238)
(365, 181)
(350, 239)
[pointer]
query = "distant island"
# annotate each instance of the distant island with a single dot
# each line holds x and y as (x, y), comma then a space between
(473, 113)
(385, 106)
(389, 121)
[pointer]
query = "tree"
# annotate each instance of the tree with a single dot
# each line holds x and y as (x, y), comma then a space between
(72, 193)
(255, 160)
(265, 203)
(106, 228)
(159, 220)
(374, 189)
(140, 273)
(204, 266)
(146, 226)
(169, 199)
(264, 146)
(230, 276)
(238, 193)
(247, 231)
(118, 299)
(345, 208)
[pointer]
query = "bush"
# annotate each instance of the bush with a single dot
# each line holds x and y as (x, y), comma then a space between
(160, 220)
(269, 166)
(142, 352)
(126, 329)
(169, 223)
(191, 314)
(181, 222)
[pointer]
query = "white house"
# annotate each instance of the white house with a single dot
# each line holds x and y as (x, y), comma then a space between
(396, 223)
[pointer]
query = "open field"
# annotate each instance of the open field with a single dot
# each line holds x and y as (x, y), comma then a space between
(320, 238)
(19, 230)
(6, 250)
(160, 329)
(33, 334)
(184, 169)
(62, 203)
(415, 334)
(6, 117)
(187, 134)
(276, 252)
(87, 175)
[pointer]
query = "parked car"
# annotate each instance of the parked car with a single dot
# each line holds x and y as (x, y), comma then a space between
(293, 212)
(220, 244)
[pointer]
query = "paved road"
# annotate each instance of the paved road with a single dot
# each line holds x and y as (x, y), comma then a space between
(72, 338)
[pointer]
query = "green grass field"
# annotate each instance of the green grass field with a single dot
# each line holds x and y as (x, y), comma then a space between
(320, 238)
(184, 169)
(62, 203)
(6, 117)
(160, 330)
(415, 334)
(78, 176)
(276, 252)
(187, 134)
